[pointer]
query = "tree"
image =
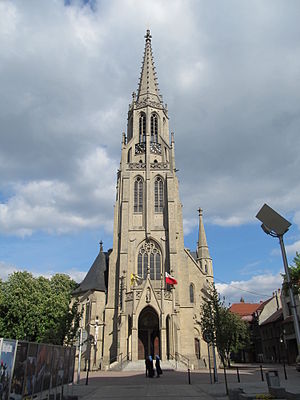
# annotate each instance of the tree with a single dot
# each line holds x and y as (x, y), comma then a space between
(37, 309)
(228, 331)
(294, 275)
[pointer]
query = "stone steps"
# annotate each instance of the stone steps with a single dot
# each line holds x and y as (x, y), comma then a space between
(139, 365)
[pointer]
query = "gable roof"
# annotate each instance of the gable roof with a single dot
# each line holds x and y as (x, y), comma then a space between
(277, 315)
(96, 278)
(244, 309)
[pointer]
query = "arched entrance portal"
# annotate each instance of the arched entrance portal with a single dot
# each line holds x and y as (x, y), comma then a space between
(149, 338)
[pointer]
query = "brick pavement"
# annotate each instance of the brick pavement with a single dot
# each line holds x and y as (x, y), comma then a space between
(110, 385)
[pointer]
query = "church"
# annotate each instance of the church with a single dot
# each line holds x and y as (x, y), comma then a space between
(143, 297)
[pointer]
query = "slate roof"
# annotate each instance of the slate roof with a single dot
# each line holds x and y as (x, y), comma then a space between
(96, 278)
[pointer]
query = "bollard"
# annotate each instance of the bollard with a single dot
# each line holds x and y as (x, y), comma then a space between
(225, 378)
(261, 373)
(189, 375)
(284, 369)
(238, 374)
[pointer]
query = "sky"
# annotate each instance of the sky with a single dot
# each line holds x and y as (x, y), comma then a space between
(230, 74)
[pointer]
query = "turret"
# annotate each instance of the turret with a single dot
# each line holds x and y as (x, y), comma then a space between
(203, 256)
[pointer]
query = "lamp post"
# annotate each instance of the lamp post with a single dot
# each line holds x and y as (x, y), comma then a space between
(275, 225)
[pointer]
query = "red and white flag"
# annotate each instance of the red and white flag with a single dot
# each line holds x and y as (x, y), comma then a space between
(170, 280)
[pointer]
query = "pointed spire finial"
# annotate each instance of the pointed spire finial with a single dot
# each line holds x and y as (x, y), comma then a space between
(202, 250)
(148, 87)
(101, 245)
(148, 36)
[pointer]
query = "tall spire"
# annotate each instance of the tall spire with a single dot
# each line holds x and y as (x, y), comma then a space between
(148, 86)
(202, 250)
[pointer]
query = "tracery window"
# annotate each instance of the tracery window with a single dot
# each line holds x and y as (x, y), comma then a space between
(142, 128)
(158, 195)
(149, 256)
(154, 128)
(138, 195)
(192, 293)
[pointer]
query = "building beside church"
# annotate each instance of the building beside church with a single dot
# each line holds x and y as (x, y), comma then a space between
(129, 310)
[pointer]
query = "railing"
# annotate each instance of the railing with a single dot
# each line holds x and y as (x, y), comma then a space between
(181, 358)
(126, 357)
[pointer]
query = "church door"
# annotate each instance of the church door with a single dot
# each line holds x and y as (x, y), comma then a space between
(149, 337)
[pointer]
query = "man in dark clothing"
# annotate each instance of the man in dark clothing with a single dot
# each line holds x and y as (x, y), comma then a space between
(147, 362)
(157, 365)
(151, 370)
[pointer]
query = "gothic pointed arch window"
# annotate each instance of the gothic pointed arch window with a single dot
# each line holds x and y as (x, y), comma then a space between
(149, 256)
(154, 128)
(192, 293)
(142, 128)
(158, 195)
(138, 195)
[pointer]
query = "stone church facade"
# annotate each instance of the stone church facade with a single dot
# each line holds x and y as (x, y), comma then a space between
(128, 309)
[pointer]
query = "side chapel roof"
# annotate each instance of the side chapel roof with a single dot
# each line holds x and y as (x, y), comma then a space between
(96, 278)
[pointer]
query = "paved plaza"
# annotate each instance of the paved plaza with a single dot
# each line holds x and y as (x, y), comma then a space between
(134, 385)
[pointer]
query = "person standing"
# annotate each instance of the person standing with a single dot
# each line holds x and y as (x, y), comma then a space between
(157, 366)
(147, 362)
(151, 369)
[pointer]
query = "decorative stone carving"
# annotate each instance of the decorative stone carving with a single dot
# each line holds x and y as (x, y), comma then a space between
(168, 295)
(137, 165)
(129, 296)
(148, 295)
(157, 165)
(147, 102)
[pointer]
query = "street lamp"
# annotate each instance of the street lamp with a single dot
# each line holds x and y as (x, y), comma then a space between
(275, 225)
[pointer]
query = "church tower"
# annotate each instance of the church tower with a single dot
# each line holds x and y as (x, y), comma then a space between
(143, 315)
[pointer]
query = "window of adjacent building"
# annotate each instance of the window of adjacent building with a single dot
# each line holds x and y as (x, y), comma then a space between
(149, 253)
(138, 195)
(158, 195)
(192, 293)
(154, 128)
(142, 128)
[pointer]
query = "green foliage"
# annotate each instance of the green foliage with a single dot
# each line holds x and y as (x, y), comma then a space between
(230, 333)
(294, 275)
(37, 309)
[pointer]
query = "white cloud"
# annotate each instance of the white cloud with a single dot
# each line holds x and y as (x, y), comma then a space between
(257, 288)
(291, 249)
(55, 206)
(76, 274)
(231, 80)
(7, 269)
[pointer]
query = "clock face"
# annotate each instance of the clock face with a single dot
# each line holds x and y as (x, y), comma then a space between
(140, 148)
(155, 148)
